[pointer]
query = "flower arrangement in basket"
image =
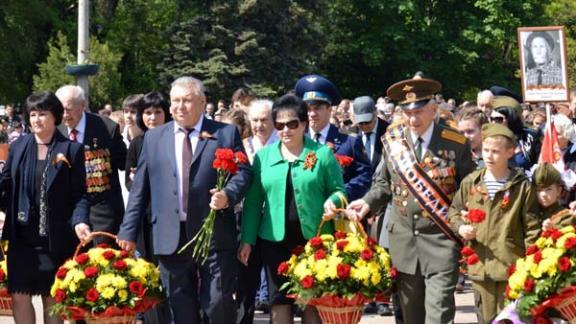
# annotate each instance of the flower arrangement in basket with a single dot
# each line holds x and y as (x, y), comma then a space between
(338, 274)
(546, 277)
(105, 285)
(5, 297)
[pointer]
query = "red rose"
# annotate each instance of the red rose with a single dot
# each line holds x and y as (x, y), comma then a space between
(531, 249)
(570, 243)
(473, 259)
(366, 254)
(556, 234)
(299, 249)
(102, 245)
(511, 269)
(124, 254)
(537, 257)
(320, 254)
(283, 268)
(91, 272)
(120, 265)
(60, 295)
(82, 258)
(476, 215)
(341, 245)
(529, 285)
(241, 157)
(136, 288)
(307, 282)
(61, 273)
(370, 241)
(108, 254)
(564, 264)
(343, 270)
(340, 235)
(92, 295)
(393, 273)
(316, 242)
(467, 251)
(2, 275)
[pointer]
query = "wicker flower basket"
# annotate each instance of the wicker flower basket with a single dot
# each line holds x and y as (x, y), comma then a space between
(340, 315)
(127, 319)
(567, 307)
(5, 303)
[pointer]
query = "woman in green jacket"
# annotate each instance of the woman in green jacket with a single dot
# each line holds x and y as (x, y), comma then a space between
(295, 182)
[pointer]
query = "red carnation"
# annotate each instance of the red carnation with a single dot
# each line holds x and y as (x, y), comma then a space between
(91, 272)
(340, 235)
(537, 257)
(366, 254)
(316, 242)
(370, 241)
(136, 288)
(320, 254)
(570, 243)
(283, 268)
(343, 160)
(476, 215)
(60, 295)
(108, 254)
(299, 249)
(467, 251)
(511, 269)
(124, 254)
(224, 154)
(120, 265)
(217, 164)
(529, 285)
(340, 245)
(307, 282)
(233, 168)
(61, 273)
(556, 234)
(564, 264)
(473, 259)
(241, 157)
(82, 258)
(393, 273)
(343, 270)
(531, 250)
(92, 295)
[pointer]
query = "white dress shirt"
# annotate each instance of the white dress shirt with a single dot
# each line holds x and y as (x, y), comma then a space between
(323, 134)
(179, 137)
(80, 129)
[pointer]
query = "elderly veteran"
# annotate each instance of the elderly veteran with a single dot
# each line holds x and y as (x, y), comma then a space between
(422, 165)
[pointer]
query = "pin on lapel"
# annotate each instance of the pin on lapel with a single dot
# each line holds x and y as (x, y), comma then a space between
(61, 158)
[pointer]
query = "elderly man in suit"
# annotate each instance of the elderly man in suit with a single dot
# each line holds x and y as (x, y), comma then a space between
(105, 154)
(421, 168)
(320, 93)
(176, 176)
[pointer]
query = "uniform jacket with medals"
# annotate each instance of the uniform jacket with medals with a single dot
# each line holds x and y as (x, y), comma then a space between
(415, 239)
(512, 222)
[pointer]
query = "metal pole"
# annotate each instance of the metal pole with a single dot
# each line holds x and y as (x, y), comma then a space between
(83, 42)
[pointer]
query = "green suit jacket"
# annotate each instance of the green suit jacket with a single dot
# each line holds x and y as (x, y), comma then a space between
(414, 239)
(264, 206)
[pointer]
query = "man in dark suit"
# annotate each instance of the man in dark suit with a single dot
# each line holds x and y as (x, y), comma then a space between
(105, 154)
(319, 93)
(176, 176)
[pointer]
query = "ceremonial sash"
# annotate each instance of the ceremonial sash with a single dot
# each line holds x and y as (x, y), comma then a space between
(430, 196)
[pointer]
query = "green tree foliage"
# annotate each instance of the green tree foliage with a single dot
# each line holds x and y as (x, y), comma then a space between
(466, 44)
(265, 45)
(105, 86)
(563, 13)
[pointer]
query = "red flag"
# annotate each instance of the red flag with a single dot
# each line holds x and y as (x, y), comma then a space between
(551, 152)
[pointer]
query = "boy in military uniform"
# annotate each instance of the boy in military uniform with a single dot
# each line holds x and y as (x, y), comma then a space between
(508, 201)
(421, 168)
(549, 189)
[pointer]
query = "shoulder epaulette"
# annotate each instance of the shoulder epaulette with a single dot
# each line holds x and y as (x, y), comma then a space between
(453, 136)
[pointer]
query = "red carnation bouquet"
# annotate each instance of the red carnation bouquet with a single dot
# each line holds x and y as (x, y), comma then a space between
(474, 216)
(226, 163)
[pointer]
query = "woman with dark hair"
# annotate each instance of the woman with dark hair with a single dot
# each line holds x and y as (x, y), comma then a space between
(153, 111)
(43, 192)
(528, 140)
(294, 182)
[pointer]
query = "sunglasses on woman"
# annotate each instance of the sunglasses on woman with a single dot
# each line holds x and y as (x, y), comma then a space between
(293, 124)
(497, 120)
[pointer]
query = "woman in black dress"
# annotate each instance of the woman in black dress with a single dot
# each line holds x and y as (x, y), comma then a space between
(42, 190)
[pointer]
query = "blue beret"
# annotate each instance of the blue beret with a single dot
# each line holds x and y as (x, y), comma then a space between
(501, 91)
(317, 88)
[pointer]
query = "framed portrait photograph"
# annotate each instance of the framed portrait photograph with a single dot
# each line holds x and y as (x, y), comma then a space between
(543, 63)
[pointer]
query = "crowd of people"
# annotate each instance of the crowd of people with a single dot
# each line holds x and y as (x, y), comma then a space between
(411, 165)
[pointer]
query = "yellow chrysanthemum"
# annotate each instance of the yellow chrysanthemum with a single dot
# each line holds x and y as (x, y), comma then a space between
(567, 229)
(119, 282)
(327, 237)
(123, 294)
(301, 270)
(321, 270)
(332, 270)
(561, 242)
(354, 245)
(516, 280)
(72, 287)
(70, 264)
(375, 278)
(108, 293)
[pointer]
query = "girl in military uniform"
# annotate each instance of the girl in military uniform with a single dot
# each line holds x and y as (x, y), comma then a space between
(549, 190)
